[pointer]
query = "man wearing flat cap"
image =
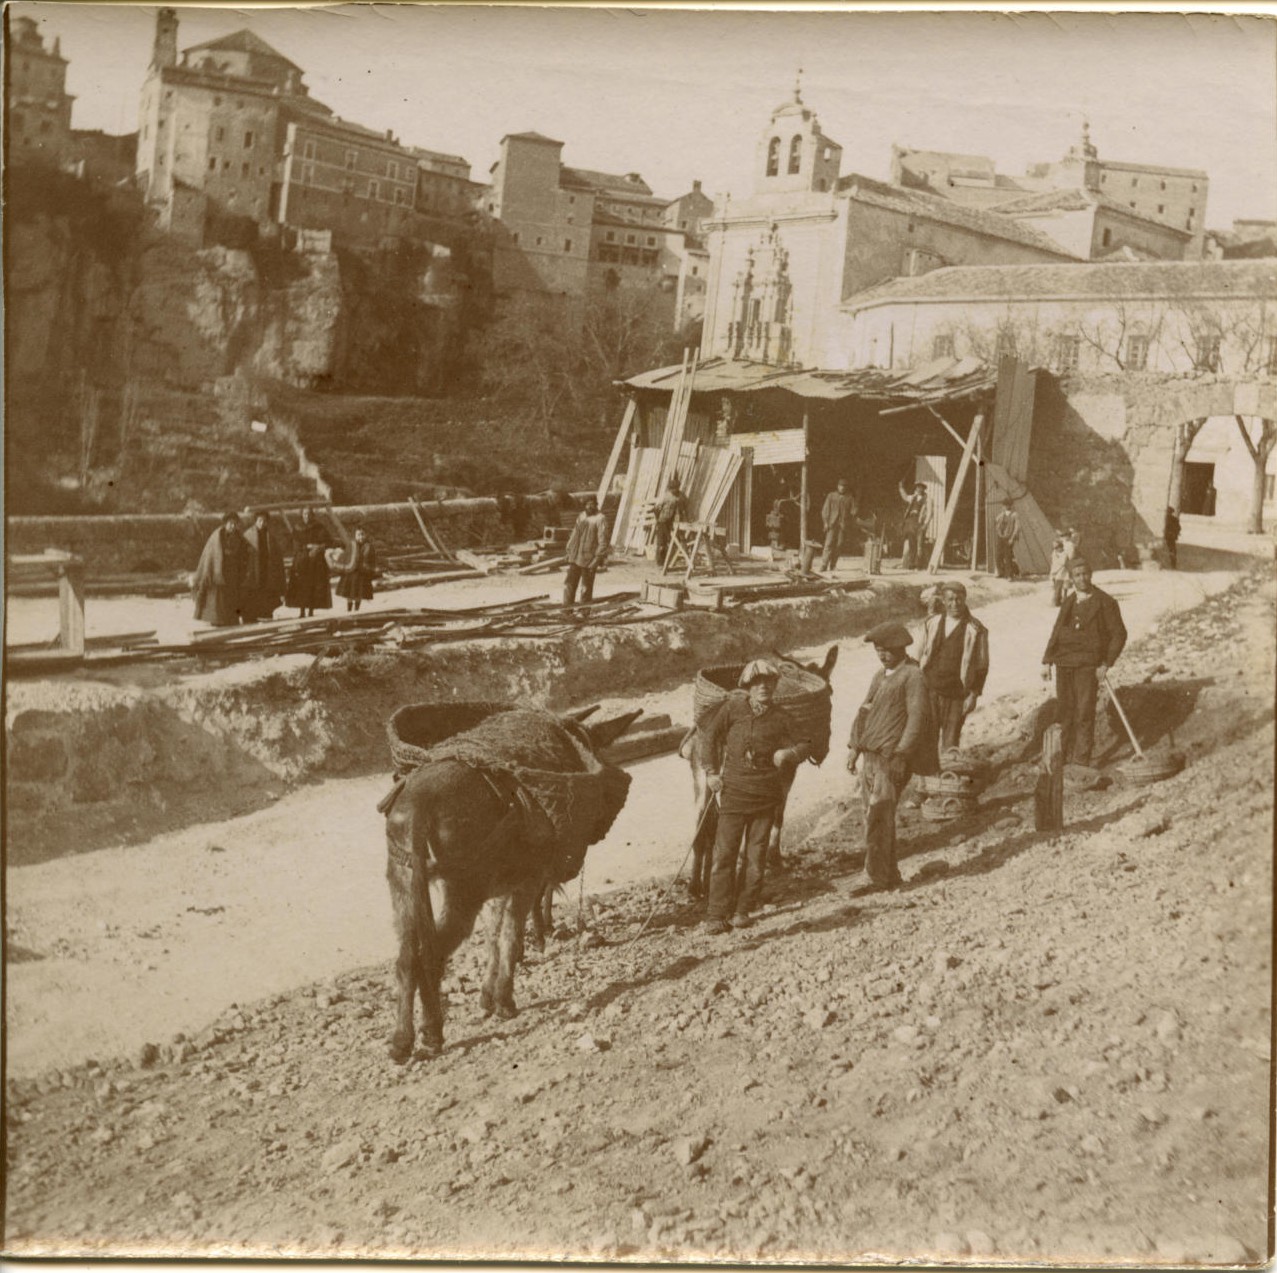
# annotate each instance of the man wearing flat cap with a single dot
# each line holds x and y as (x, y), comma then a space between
(749, 742)
(894, 735)
(955, 661)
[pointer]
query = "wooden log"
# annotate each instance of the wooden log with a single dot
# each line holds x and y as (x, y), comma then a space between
(1048, 797)
(473, 560)
(541, 567)
(71, 607)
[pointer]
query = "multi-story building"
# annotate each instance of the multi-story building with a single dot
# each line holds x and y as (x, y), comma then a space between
(230, 128)
(1149, 197)
(805, 237)
(37, 105)
(578, 231)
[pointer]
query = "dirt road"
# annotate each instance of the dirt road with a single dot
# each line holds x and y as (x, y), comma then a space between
(1043, 1048)
(130, 945)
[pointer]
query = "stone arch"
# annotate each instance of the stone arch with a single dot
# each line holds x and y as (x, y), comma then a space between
(795, 153)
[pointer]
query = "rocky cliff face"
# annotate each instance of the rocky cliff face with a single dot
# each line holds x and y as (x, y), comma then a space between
(104, 313)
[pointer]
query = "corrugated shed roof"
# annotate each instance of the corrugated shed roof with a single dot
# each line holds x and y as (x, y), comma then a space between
(1160, 279)
(946, 378)
(918, 203)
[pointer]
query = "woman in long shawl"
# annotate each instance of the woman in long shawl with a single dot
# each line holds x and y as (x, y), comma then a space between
(264, 572)
(358, 573)
(308, 587)
(218, 586)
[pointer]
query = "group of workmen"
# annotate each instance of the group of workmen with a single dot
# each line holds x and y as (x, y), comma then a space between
(241, 576)
(913, 713)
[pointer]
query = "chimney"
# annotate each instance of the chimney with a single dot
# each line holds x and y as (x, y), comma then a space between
(696, 186)
(164, 51)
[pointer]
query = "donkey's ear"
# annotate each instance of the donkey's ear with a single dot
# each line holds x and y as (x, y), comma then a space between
(605, 732)
(830, 659)
(579, 715)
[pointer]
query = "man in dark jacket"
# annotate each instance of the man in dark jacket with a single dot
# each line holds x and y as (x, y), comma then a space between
(1087, 638)
(586, 552)
(893, 733)
(750, 741)
(837, 516)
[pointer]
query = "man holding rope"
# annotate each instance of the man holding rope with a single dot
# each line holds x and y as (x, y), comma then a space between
(750, 742)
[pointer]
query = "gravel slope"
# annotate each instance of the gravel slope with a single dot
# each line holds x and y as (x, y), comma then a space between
(1042, 1048)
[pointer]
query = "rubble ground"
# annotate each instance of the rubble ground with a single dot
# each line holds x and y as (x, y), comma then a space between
(1044, 1047)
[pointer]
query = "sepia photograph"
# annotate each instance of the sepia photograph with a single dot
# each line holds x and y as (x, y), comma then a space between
(639, 635)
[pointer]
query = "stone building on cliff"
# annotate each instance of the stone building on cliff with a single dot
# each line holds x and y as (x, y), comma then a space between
(228, 129)
(37, 105)
(578, 232)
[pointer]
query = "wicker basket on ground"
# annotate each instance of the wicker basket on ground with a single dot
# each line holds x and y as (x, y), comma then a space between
(803, 696)
(954, 791)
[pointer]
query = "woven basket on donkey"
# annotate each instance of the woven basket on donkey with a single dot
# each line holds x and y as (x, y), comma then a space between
(803, 696)
(570, 793)
(415, 729)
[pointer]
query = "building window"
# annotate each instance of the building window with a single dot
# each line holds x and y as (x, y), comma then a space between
(261, 171)
(567, 245)
(1066, 352)
(248, 140)
(245, 170)
(651, 242)
(773, 157)
(392, 170)
(1103, 178)
(571, 198)
(350, 161)
(401, 197)
(1135, 181)
(219, 134)
(212, 163)
(1270, 360)
(1207, 358)
(610, 236)
(226, 165)
(374, 190)
(1163, 186)
(942, 346)
(1194, 187)
(1161, 207)
(1106, 238)
(1137, 352)
(308, 150)
(217, 101)
(795, 154)
(516, 236)
(629, 238)
(308, 174)
(696, 269)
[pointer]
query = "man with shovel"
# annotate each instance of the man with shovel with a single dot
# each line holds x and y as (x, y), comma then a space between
(1086, 641)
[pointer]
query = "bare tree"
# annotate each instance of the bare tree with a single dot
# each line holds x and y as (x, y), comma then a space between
(1260, 449)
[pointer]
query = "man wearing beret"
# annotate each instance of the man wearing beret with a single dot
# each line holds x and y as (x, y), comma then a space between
(955, 662)
(748, 743)
(894, 734)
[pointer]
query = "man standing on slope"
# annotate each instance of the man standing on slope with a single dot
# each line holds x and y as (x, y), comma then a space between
(894, 734)
(586, 552)
(1087, 638)
(955, 662)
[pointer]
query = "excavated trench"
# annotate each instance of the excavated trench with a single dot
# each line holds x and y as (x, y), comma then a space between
(94, 763)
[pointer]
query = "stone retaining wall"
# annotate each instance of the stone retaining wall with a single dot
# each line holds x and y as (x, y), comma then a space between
(94, 763)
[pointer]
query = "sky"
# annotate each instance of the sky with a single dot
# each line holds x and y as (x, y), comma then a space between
(682, 95)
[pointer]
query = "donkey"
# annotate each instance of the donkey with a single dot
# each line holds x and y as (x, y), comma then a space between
(458, 837)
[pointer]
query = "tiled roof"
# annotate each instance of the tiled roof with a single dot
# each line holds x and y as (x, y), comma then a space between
(531, 137)
(957, 165)
(1077, 200)
(918, 203)
(1058, 282)
(243, 41)
(607, 181)
(1155, 168)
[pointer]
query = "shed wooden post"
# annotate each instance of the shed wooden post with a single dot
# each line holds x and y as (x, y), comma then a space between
(803, 494)
(71, 606)
(977, 516)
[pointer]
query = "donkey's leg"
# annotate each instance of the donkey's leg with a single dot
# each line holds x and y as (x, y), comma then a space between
(775, 861)
(509, 935)
(495, 918)
(406, 964)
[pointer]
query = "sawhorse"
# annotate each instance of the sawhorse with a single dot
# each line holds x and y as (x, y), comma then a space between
(691, 541)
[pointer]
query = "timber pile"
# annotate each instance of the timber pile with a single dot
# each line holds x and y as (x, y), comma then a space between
(362, 631)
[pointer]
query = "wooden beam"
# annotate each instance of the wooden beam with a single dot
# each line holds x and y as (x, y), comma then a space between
(803, 489)
(609, 472)
(946, 520)
(953, 433)
(71, 607)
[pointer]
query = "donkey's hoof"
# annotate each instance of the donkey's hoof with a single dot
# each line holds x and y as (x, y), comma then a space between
(400, 1049)
(506, 1011)
(486, 1002)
